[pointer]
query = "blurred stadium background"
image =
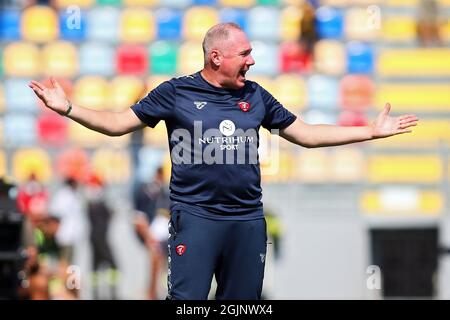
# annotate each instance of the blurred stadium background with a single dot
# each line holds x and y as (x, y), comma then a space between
(339, 210)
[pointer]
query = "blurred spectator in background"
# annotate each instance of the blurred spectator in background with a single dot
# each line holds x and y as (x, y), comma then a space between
(104, 266)
(33, 198)
(429, 23)
(308, 34)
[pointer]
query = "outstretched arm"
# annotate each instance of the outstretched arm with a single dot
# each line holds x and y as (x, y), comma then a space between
(313, 136)
(106, 122)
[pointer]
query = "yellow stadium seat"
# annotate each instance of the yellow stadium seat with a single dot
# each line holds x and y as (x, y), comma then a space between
(153, 82)
(402, 202)
(414, 62)
(290, 91)
(399, 28)
(237, 3)
(124, 92)
(22, 60)
(78, 3)
(313, 166)
(84, 137)
(290, 23)
(156, 136)
(137, 26)
(3, 164)
(197, 20)
(190, 58)
(113, 165)
(139, 3)
(39, 24)
(445, 31)
(347, 165)
(269, 157)
(402, 3)
(335, 3)
(415, 168)
(266, 82)
(357, 26)
(412, 97)
(31, 160)
(428, 134)
(60, 59)
(91, 92)
(329, 57)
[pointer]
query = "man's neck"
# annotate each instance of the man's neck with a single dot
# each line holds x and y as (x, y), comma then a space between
(210, 77)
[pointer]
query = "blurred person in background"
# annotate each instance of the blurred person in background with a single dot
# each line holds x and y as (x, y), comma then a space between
(217, 224)
(33, 198)
(429, 23)
(104, 271)
(308, 34)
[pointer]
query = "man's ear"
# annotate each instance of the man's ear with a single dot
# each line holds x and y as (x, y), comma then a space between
(216, 58)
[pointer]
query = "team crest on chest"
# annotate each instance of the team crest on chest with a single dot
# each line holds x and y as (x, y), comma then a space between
(244, 106)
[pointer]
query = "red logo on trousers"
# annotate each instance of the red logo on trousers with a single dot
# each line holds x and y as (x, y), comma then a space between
(180, 249)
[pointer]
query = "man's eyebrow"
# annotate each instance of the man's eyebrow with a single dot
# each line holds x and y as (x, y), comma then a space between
(246, 51)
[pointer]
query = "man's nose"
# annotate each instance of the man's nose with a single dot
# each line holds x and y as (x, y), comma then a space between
(250, 61)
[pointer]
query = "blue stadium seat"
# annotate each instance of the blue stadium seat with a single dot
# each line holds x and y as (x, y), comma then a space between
(10, 25)
(96, 58)
(264, 23)
(329, 23)
(169, 24)
(360, 58)
(19, 97)
(72, 29)
(323, 92)
(103, 24)
(204, 2)
(175, 3)
(237, 16)
(19, 130)
(266, 57)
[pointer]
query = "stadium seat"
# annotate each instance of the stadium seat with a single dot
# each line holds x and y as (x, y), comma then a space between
(22, 59)
(318, 116)
(266, 82)
(179, 4)
(329, 23)
(414, 63)
(97, 59)
(52, 129)
(349, 118)
(290, 19)
(3, 163)
(72, 25)
(413, 97)
(266, 58)
(112, 164)
(237, 3)
(79, 3)
(430, 133)
(359, 25)
(19, 130)
(168, 23)
(402, 201)
(268, 2)
(190, 58)
(197, 21)
(360, 58)
(132, 60)
(31, 160)
(10, 25)
(1, 63)
(154, 81)
(204, 2)
(347, 165)
(19, 97)
(313, 166)
(91, 92)
(103, 24)
(156, 136)
(291, 91)
(340, 3)
(329, 57)
(263, 23)
(399, 28)
(109, 2)
(137, 26)
(84, 137)
(72, 163)
(445, 32)
(60, 59)
(293, 58)
(163, 58)
(124, 92)
(323, 92)
(39, 24)
(140, 3)
(2, 99)
(415, 168)
(234, 15)
(356, 92)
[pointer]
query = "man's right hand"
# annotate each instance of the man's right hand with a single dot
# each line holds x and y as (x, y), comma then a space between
(54, 98)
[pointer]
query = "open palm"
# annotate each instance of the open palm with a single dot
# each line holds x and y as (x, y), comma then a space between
(385, 125)
(54, 98)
